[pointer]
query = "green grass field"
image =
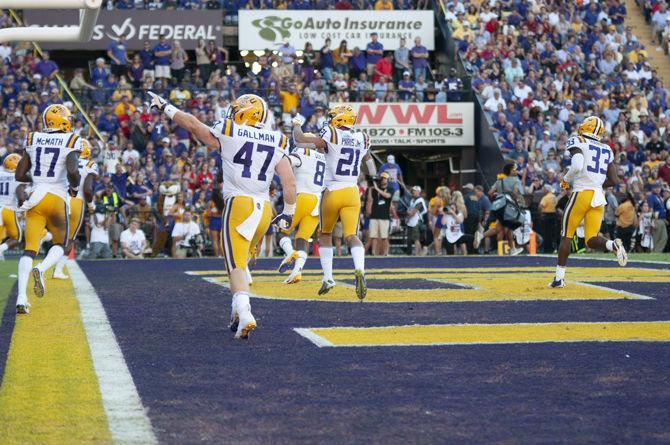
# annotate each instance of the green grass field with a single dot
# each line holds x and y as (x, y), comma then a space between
(7, 268)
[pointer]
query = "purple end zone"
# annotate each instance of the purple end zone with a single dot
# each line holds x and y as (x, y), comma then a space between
(201, 386)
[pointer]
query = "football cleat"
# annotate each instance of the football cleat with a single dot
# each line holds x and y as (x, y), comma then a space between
(59, 275)
(557, 283)
(326, 286)
(23, 309)
(479, 236)
(361, 286)
(288, 261)
(516, 251)
(234, 322)
(38, 287)
(246, 324)
(620, 252)
(294, 278)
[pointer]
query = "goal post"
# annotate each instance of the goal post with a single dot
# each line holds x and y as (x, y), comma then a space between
(88, 15)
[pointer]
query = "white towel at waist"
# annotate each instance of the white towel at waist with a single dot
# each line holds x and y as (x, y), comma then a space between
(249, 225)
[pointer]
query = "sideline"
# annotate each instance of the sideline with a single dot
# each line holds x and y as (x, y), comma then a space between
(127, 418)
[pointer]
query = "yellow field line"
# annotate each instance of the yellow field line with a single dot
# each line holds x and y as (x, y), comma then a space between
(478, 334)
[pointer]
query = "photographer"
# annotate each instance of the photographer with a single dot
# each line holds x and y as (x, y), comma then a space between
(378, 209)
(186, 237)
(415, 213)
(452, 220)
(100, 223)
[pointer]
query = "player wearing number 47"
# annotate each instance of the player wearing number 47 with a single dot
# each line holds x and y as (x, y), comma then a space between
(345, 150)
(51, 162)
(591, 170)
(250, 155)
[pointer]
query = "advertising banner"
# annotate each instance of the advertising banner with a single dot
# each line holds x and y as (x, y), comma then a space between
(261, 29)
(417, 124)
(137, 26)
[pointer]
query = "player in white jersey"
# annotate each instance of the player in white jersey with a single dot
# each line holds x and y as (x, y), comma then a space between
(51, 163)
(10, 188)
(309, 168)
(88, 172)
(591, 169)
(250, 155)
(345, 151)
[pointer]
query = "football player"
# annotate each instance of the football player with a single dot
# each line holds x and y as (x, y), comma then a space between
(51, 162)
(591, 169)
(345, 150)
(309, 168)
(10, 190)
(251, 155)
(88, 172)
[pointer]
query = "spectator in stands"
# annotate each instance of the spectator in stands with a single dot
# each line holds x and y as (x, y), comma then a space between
(420, 56)
(133, 241)
(384, 5)
(162, 52)
(148, 59)
(406, 87)
(378, 210)
(394, 172)
(401, 60)
(415, 214)
(374, 52)
(326, 61)
(341, 58)
(178, 59)
(46, 67)
(116, 51)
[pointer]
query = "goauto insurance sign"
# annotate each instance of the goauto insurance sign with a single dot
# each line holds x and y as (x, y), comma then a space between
(417, 124)
(263, 29)
(137, 26)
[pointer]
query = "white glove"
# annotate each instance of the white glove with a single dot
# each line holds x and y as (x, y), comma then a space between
(157, 102)
(299, 120)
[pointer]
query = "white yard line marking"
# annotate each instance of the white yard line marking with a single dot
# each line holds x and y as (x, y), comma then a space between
(314, 338)
(127, 418)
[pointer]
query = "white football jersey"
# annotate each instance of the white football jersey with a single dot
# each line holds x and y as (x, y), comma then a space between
(8, 187)
(48, 153)
(249, 156)
(344, 154)
(86, 167)
(309, 168)
(597, 156)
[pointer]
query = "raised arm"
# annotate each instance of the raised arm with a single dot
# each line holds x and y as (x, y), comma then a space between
(185, 120)
(306, 140)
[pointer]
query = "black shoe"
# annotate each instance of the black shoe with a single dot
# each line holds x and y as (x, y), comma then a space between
(22, 309)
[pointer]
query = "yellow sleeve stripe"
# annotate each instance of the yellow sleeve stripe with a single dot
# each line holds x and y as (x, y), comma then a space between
(283, 142)
(89, 164)
(307, 151)
(30, 138)
(228, 128)
(72, 141)
(582, 140)
(365, 140)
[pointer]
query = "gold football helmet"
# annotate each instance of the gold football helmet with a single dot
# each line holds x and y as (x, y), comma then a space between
(57, 118)
(249, 109)
(11, 162)
(342, 116)
(85, 149)
(592, 127)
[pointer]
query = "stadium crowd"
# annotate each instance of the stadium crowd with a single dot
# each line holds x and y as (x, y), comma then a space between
(539, 68)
